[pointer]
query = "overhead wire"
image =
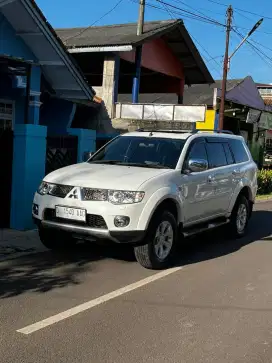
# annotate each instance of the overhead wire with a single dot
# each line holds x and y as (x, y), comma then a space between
(205, 18)
(95, 22)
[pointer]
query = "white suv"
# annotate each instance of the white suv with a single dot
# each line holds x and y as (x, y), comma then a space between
(150, 189)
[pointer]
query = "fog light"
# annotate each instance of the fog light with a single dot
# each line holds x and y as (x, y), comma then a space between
(35, 209)
(121, 221)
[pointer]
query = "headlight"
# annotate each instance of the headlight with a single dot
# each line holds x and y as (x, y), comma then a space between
(125, 197)
(45, 188)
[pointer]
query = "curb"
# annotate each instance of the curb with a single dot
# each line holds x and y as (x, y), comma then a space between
(263, 200)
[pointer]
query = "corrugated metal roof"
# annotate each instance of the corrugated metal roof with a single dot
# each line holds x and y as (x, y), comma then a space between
(120, 34)
(172, 31)
(57, 64)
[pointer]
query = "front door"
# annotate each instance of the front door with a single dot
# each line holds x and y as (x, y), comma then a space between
(197, 191)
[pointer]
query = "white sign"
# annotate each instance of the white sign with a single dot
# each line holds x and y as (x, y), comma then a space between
(190, 113)
(160, 112)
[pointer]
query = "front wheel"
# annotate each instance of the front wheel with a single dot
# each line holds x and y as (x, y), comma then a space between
(240, 217)
(161, 244)
(55, 240)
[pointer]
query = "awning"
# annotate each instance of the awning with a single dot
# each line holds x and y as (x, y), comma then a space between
(57, 65)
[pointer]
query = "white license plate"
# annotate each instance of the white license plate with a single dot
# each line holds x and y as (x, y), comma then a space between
(74, 214)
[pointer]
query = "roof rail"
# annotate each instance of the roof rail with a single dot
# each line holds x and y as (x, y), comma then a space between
(166, 131)
(216, 131)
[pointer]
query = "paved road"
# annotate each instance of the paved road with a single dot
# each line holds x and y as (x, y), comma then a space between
(216, 306)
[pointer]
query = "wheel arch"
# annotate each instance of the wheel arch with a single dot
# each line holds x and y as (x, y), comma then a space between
(158, 202)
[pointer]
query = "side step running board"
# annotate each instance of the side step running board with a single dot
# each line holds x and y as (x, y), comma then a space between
(203, 228)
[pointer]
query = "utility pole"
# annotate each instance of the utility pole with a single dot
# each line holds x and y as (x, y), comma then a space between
(140, 26)
(225, 69)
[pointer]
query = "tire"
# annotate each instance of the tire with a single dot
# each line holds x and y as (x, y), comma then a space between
(55, 240)
(241, 211)
(155, 254)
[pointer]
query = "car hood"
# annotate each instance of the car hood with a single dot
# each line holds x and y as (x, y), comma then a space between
(103, 176)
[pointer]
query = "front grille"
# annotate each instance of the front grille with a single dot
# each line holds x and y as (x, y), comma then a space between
(92, 220)
(60, 191)
(94, 194)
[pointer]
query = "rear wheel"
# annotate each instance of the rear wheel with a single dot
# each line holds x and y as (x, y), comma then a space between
(56, 240)
(161, 244)
(240, 217)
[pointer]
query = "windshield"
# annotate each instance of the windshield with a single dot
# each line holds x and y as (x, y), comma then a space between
(150, 152)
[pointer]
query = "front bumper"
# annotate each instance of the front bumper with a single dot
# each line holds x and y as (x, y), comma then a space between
(96, 234)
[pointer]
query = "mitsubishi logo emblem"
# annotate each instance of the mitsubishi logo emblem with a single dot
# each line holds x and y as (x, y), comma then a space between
(74, 194)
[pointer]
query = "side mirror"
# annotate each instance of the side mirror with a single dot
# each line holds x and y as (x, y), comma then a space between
(197, 165)
(87, 155)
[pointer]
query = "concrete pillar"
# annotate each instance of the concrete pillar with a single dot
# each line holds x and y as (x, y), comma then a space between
(86, 142)
(29, 153)
(110, 83)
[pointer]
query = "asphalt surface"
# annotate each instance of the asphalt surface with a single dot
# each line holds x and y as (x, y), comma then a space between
(217, 307)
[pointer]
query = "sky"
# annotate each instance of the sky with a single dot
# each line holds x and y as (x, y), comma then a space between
(209, 38)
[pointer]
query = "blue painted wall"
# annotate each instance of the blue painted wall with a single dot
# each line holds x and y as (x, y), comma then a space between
(57, 115)
(11, 44)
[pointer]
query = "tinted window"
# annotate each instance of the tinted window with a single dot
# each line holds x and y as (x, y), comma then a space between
(238, 150)
(216, 155)
(228, 153)
(198, 151)
(149, 152)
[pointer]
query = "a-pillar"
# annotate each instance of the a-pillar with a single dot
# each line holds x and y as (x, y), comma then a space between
(110, 83)
(29, 153)
(86, 142)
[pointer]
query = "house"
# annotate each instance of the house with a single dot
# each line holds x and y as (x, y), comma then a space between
(39, 85)
(122, 66)
(245, 110)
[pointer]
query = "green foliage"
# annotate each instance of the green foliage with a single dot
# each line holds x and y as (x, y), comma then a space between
(264, 182)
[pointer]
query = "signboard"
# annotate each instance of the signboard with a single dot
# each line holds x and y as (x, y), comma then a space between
(160, 112)
(189, 113)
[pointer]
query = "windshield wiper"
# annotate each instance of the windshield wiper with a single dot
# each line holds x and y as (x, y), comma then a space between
(145, 165)
(111, 162)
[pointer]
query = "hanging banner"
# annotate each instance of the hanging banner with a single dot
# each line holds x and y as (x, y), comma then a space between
(265, 121)
(253, 116)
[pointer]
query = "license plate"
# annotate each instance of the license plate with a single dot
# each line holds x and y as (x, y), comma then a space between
(74, 214)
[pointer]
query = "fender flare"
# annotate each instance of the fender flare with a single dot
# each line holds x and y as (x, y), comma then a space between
(154, 201)
(242, 184)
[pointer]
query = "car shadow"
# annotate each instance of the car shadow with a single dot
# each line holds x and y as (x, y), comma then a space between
(214, 244)
(45, 271)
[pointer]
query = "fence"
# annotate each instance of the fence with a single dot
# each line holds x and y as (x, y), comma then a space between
(61, 151)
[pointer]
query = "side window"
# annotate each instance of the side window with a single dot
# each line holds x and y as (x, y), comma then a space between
(238, 150)
(216, 155)
(228, 153)
(198, 151)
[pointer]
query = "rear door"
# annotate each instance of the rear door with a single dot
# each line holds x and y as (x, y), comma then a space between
(220, 173)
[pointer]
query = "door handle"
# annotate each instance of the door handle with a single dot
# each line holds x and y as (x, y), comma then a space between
(211, 179)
